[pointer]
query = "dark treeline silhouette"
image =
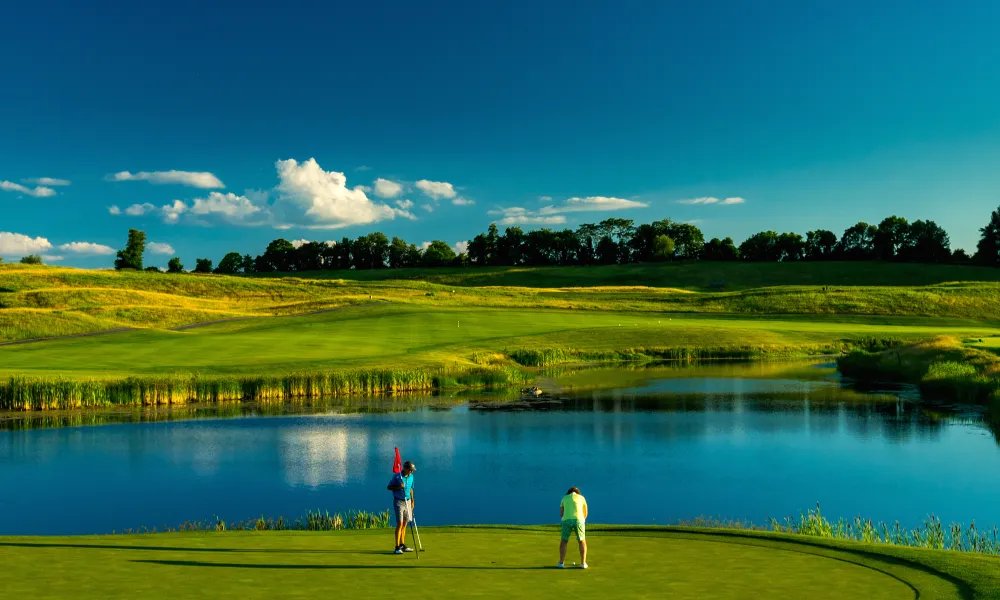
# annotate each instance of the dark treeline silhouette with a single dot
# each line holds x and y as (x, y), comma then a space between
(610, 242)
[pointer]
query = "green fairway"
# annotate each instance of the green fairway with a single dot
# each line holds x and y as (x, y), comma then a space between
(483, 563)
(422, 336)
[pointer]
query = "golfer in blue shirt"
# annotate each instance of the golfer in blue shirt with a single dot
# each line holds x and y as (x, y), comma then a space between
(402, 503)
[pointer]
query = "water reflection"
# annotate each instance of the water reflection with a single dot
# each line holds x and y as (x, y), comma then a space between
(649, 452)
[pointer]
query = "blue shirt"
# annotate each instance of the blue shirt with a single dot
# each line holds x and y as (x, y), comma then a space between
(406, 482)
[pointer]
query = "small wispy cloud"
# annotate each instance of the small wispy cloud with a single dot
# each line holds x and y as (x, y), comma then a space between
(460, 201)
(553, 214)
(516, 215)
(404, 204)
(436, 189)
(38, 191)
(385, 188)
(545, 198)
(137, 210)
(114, 210)
(87, 248)
(428, 207)
(363, 168)
(713, 200)
(198, 179)
(160, 248)
(52, 181)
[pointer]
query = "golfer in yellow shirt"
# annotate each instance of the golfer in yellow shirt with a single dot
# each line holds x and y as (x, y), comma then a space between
(573, 510)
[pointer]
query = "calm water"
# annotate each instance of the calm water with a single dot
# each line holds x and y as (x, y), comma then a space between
(653, 452)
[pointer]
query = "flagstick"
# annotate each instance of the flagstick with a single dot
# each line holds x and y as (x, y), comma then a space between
(413, 529)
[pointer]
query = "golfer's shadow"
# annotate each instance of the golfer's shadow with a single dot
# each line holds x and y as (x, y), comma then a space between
(194, 563)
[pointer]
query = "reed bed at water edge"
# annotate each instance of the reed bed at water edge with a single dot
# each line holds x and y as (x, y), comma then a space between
(40, 393)
(312, 521)
(931, 534)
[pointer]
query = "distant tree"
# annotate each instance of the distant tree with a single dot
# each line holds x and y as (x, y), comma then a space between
(152, 270)
(247, 264)
(792, 247)
(309, 256)
(858, 242)
(31, 259)
(278, 256)
(230, 264)
(478, 250)
(761, 247)
(541, 247)
(663, 248)
(510, 247)
(891, 237)
(131, 256)
(925, 242)
(988, 248)
(174, 265)
(438, 254)
(717, 249)
(1, 260)
(589, 236)
(343, 253)
(203, 265)
(820, 245)
(371, 251)
(621, 232)
(493, 246)
(960, 257)
(607, 251)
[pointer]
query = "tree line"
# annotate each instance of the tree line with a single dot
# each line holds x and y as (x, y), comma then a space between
(610, 242)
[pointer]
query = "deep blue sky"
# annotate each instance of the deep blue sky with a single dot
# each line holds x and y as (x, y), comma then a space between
(818, 115)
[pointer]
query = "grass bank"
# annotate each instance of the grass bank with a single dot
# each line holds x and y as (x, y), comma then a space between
(486, 562)
(946, 368)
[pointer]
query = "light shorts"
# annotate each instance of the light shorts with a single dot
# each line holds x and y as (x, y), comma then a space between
(400, 508)
(574, 527)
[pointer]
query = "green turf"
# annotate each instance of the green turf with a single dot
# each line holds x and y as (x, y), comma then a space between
(419, 336)
(482, 563)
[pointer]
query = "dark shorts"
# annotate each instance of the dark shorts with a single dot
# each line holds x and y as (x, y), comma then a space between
(400, 508)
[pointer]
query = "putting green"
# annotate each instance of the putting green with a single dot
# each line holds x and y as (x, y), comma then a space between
(479, 563)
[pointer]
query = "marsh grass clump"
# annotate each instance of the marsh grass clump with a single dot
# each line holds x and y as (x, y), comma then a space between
(931, 534)
(38, 393)
(318, 520)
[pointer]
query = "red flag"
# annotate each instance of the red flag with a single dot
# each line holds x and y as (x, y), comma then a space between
(397, 465)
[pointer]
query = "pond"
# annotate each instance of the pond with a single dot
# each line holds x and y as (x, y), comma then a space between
(664, 445)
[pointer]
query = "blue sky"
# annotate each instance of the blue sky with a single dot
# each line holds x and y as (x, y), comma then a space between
(229, 124)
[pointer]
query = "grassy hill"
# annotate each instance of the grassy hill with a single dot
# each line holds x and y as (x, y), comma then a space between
(427, 333)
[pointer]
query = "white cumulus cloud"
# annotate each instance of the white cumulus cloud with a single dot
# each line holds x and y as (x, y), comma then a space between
(47, 181)
(427, 207)
(311, 197)
(172, 212)
(37, 191)
(404, 204)
(460, 201)
(189, 178)
(51, 258)
(461, 247)
(160, 248)
(114, 210)
(385, 188)
(87, 248)
(713, 200)
(137, 210)
(17, 244)
(436, 189)
(545, 198)
(554, 214)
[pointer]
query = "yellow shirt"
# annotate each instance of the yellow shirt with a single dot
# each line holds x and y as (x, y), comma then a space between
(573, 506)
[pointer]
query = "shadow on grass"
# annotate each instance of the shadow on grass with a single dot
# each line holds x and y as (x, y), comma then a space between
(406, 564)
(174, 549)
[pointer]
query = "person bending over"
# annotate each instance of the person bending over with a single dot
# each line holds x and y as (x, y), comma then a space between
(573, 511)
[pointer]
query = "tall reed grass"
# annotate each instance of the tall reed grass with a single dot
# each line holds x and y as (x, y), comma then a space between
(38, 393)
(931, 534)
(312, 521)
